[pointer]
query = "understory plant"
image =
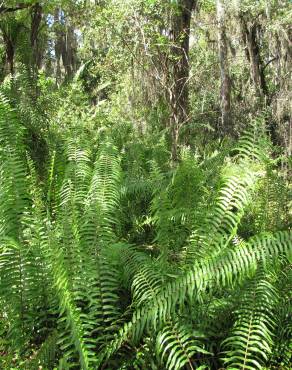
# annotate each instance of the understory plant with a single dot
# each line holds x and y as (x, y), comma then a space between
(111, 260)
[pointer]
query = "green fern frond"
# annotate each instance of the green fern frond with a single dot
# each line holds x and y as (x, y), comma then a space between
(103, 198)
(68, 311)
(11, 131)
(77, 178)
(176, 345)
(13, 185)
(146, 284)
(221, 224)
(175, 203)
(251, 339)
(45, 234)
(143, 275)
(221, 271)
(269, 210)
(282, 349)
(12, 289)
(132, 260)
(46, 355)
(254, 143)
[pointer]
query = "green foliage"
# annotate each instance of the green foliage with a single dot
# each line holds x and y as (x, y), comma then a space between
(176, 345)
(111, 255)
(250, 340)
(76, 294)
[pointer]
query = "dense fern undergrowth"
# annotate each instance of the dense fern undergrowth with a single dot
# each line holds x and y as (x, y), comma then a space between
(111, 259)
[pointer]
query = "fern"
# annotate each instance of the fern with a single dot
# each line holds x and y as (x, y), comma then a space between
(224, 270)
(222, 224)
(281, 352)
(18, 268)
(98, 301)
(45, 356)
(108, 260)
(178, 343)
(13, 185)
(237, 184)
(67, 307)
(251, 340)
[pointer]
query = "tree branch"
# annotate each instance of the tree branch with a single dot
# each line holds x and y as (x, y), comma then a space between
(270, 61)
(4, 9)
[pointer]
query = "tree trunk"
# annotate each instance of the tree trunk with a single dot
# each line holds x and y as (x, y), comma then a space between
(69, 51)
(9, 50)
(178, 92)
(34, 36)
(250, 39)
(65, 47)
(225, 90)
(58, 45)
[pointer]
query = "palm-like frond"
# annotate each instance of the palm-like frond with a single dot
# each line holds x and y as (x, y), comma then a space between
(176, 344)
(220, 271)
(251, 339)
